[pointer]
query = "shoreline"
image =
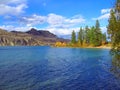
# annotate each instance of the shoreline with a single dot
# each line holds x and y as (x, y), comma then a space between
(102, 47)
(98, 47)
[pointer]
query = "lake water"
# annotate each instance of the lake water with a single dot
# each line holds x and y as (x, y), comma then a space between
(47, 68)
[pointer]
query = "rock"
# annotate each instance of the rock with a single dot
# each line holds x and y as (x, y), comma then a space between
(29, 38)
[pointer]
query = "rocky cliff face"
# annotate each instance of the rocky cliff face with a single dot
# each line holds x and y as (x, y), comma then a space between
(30, 38)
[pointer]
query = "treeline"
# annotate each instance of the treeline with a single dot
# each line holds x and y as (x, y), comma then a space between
(89, 36)
(113, 28)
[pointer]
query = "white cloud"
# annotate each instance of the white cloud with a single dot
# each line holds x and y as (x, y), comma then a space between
(33, 20)
(105, 14)
(102, 17)
(10, 10)
(103, 11)
(12, 1)
(60, 31)
(63, 22)
(12, 7)
(53, 20)
(76, 19)
(13, 28)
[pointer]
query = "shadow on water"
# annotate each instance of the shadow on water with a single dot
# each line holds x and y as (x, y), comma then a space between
(115, 62)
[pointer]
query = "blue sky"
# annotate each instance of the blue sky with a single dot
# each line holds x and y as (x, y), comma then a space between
(57, 16)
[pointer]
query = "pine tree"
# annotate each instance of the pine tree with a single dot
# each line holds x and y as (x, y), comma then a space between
(113, 29)
(73, 37)
(98, 34)
(86, 35)
(112, 26)
(92, 36)
(80, 36)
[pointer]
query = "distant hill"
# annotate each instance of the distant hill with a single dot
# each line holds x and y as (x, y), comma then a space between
(32, 37)
(42, 33)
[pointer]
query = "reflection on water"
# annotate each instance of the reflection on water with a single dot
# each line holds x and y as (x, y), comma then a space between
(116, 63)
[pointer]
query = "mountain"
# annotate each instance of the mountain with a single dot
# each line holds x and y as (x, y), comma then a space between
(42, 33)
(32, 37)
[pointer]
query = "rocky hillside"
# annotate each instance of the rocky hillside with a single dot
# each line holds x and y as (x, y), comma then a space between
(32, 37)
(41, 33)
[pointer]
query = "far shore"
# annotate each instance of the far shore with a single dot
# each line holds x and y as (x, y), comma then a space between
(104, 47)
(99, 47)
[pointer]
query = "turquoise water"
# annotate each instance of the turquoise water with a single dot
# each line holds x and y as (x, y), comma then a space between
(46, 68)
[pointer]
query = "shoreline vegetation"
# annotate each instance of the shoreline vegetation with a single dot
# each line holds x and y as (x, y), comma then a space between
(88, 37)
(65, 45)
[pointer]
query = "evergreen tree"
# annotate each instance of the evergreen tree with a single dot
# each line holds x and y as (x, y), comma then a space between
(114, 31)
(92, 36)
(80, 36)
(86, 35)
(98, 34)
(113, 28)
(73, 37)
